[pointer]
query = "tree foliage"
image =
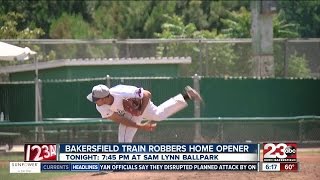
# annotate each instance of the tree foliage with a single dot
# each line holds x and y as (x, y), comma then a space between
(282, 29)
(305, 14)
(219, 60)
(142, 19)
(70, 27)
(298, 66)
(10, 29)
(238, 24)
(74, 19)
(73, 27)
(155, 20)
(42, 13)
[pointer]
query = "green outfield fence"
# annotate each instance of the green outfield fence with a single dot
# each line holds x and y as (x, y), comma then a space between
(224, 97)
(301, 129)
(279, 102)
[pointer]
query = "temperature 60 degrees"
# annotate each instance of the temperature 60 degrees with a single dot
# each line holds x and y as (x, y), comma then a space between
(289, 166)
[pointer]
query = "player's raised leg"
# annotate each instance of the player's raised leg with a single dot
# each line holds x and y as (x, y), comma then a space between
(171, 106)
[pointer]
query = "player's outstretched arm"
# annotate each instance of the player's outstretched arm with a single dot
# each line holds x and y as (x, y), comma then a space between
(145, 100)
(127, 122)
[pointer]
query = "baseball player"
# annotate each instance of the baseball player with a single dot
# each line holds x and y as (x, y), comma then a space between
(129, 105)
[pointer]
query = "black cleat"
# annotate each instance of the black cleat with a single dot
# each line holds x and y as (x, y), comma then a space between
(193, 94)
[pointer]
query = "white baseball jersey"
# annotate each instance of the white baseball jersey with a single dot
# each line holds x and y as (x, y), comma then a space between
(119, 93)
(152, 112)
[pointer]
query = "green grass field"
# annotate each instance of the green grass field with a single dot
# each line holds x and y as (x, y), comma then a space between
(5, 173)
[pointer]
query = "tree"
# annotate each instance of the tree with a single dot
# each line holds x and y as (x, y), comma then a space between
(71, 27)
(282, 29)
(42, 13)
(298, 66)
(193, 13)
(140, 19)
(10, 30)
(218, 10)
(220, 58)
(238, 24)
(155, 19)
(175, 28)
(118, 19)
(306, 14)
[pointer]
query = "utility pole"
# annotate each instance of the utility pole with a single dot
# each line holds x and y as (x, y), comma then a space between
(262, 37)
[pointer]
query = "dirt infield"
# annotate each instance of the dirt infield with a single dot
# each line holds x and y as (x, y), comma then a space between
(309, 169)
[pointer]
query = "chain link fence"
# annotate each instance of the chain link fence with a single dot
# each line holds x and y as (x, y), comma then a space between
(292, 58)
(218, 58)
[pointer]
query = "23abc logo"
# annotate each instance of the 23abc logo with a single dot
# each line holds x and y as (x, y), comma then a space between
(280, 150)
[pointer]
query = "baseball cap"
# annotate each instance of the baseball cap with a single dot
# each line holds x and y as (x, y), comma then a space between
(98, 92)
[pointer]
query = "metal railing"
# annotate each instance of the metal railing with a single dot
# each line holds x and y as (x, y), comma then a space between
(301, 129)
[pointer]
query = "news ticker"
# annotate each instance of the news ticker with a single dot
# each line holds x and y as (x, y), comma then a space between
(282, 152)
(39, 167)
(276, 156)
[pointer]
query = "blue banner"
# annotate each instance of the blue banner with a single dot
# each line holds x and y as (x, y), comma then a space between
(55, 166)
(95, 167)
(85, 167)
(180, 167)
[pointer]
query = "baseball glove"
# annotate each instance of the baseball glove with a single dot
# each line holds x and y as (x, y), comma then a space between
(132, 106)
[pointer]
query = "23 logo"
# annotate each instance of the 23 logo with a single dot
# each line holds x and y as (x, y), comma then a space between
(281, 150)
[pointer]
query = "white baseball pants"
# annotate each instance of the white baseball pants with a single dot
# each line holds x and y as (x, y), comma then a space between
(154, 113)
